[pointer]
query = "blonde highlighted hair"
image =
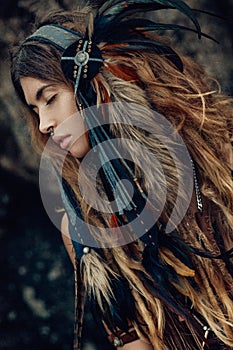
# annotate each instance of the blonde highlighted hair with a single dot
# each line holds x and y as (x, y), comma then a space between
(194, 106)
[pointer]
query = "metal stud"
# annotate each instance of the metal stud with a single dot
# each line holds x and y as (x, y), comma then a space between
(86, 250)
(81, 58)
(117, 342)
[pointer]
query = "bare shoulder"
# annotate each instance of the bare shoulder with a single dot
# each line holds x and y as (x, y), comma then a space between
(66, 238)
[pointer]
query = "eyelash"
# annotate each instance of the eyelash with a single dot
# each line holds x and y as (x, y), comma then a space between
(51, 100)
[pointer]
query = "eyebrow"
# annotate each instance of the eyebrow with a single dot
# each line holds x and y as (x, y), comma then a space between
(39, 93)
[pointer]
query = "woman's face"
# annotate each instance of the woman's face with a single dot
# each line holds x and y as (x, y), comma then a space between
(55, 105)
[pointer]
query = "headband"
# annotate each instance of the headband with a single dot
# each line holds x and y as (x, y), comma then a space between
(81, 59)
(56, 35)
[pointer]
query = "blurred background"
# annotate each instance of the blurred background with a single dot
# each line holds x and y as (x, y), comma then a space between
(36, 276)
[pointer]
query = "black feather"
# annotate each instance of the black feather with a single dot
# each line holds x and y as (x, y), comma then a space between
(177, 247)
(161, 285)
(137, 27)
(147, 25)
(146, 44)
(119, 10)
(113, 25)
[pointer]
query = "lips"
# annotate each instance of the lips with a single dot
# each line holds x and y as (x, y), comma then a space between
(64, 141)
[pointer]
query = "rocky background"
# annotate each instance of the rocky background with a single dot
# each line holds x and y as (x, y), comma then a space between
(36, 277)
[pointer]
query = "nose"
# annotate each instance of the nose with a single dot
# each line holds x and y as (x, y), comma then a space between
(46, 123)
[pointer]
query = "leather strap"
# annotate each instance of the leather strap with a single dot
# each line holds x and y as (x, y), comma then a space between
(120, 339)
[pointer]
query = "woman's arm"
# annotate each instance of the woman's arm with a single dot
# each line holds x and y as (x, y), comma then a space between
(66, 238)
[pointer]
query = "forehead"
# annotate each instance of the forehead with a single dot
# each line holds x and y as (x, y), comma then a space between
(33, 82)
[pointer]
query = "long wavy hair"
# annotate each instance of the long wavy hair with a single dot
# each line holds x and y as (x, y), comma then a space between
(192, 102)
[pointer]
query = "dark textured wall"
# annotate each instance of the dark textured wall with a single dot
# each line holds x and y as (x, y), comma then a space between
(36, 298)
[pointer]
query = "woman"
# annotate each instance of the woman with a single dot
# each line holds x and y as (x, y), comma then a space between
(156, 279)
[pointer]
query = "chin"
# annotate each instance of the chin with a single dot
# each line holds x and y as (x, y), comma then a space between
(77, 153)
(80, 148)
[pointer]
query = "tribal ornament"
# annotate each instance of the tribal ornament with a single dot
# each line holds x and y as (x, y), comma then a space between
(81, 57)
(81, 62)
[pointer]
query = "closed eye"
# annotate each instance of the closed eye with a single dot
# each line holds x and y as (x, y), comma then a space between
(51, 100)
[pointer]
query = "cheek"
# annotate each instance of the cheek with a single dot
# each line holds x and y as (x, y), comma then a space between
(66, 111)
(65, 107)
(70, 103)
